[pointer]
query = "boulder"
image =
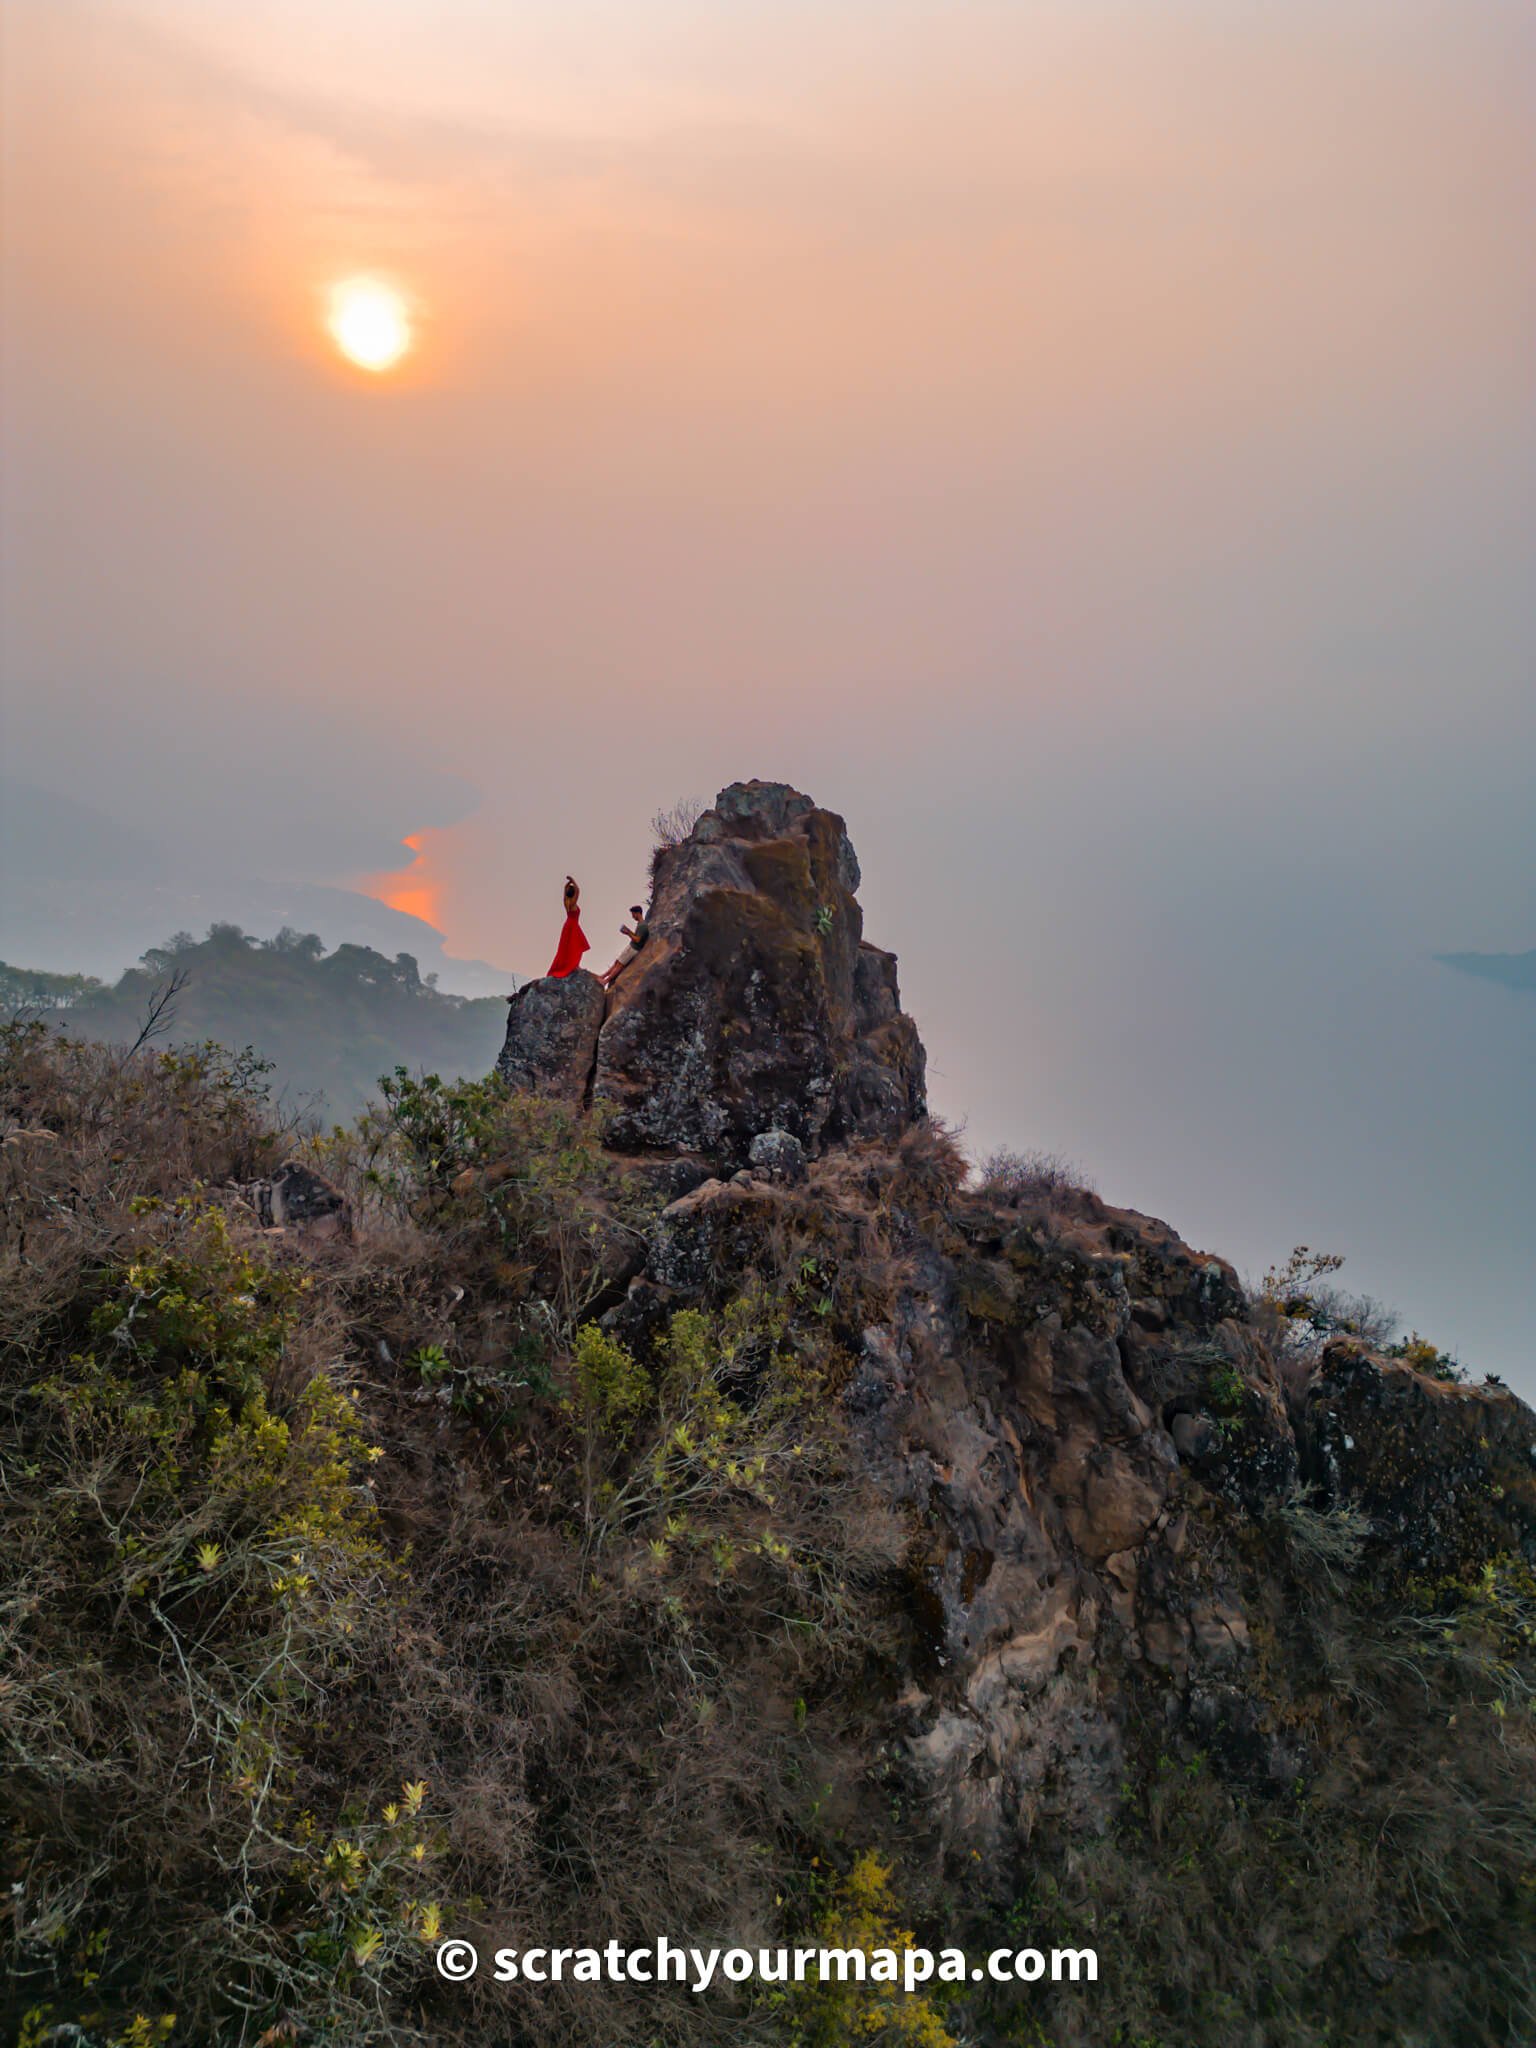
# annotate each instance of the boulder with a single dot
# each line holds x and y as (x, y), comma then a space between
(295, 1197)
(551, 1041)
(779, 1154)
(719, 1228)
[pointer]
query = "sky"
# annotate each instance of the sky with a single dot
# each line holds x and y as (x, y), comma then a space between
(1091, 444)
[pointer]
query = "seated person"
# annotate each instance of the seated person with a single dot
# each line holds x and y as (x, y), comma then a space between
(637, 934)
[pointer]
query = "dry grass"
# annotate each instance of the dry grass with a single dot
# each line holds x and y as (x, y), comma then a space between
(671, 827)
(285, 1527)
(292, 1525)
(1037, 1184)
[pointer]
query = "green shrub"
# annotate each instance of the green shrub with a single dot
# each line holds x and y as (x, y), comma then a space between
(219, 1662)
(611, 1388)
(1426, 1357)
(199, 1590)
(205, 1584)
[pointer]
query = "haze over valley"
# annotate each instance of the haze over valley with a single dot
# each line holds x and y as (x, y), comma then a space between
(1113, 492)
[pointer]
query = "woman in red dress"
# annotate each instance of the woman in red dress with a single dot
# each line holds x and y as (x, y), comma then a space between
(573, 940)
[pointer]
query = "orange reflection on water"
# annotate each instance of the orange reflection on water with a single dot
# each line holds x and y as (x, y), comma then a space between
(417, 889)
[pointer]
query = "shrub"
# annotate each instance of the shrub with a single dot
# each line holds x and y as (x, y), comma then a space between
(1008, 1175)
(862, 1915)
(1426, 1357)
(1301, 1309)
(673, 1460)
(515, 1205)
(263, 1574)
(1327, 1542)
(671, 827)
(1039, 1185)
(930, 1166)
(205, 1587)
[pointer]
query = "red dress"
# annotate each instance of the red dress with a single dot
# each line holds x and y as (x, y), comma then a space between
(573, 940)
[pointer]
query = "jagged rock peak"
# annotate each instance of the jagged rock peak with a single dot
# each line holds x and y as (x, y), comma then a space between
(756, 1006)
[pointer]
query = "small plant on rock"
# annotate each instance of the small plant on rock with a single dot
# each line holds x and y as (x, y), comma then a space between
(1428, 1358)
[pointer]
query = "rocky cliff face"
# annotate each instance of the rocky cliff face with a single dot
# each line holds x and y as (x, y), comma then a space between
(1143, 1536)
(1075, 1408)
(757, 1005)
(1080, 1413)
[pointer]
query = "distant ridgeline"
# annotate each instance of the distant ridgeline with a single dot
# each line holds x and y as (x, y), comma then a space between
(29, 988)
(1509, 970)
(331, 1024)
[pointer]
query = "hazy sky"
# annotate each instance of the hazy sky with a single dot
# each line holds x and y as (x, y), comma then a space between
(1090, 443)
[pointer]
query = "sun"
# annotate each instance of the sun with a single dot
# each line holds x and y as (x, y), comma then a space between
(370, 323)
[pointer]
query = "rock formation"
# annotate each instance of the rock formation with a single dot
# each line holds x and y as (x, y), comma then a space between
(295, 1197)
(551, 1042)
(747, 1521)
(757, 1006)
(1069, 1402)
(1444, 1471)
(1083, 1418)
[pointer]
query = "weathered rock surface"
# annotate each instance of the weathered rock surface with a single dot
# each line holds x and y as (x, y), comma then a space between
(779, 1154)
(1067, 1408)
(1446, 1473)
(756, 1006)
(551, 1042)
(295, 1197)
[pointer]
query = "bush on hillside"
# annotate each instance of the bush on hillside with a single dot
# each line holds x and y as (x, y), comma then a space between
(382, 1586)
(310, 1657)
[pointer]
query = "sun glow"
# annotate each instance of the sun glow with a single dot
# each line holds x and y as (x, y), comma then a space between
(370, 323)
(417, 889)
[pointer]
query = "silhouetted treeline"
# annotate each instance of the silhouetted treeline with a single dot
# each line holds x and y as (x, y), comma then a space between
(29, 988)
(331, 1023)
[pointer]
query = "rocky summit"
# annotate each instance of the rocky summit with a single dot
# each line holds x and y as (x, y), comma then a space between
(1068, 1400)
(757, 1006)
(666, 1490)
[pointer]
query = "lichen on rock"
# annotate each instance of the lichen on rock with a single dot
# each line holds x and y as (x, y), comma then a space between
(551, 1043)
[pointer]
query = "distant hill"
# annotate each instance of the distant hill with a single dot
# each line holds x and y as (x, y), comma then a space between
(1509, 970)
(83, 892)
(32, 988)
(330, 1023)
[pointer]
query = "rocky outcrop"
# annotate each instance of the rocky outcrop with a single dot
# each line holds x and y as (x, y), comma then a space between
(551, 1043)
(1446, 1472)
(757, 1005)
(1071, 1408)
(1079, 1415)
(295, 1197)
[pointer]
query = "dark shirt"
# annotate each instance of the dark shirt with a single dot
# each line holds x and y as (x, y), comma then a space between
(640, 934)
